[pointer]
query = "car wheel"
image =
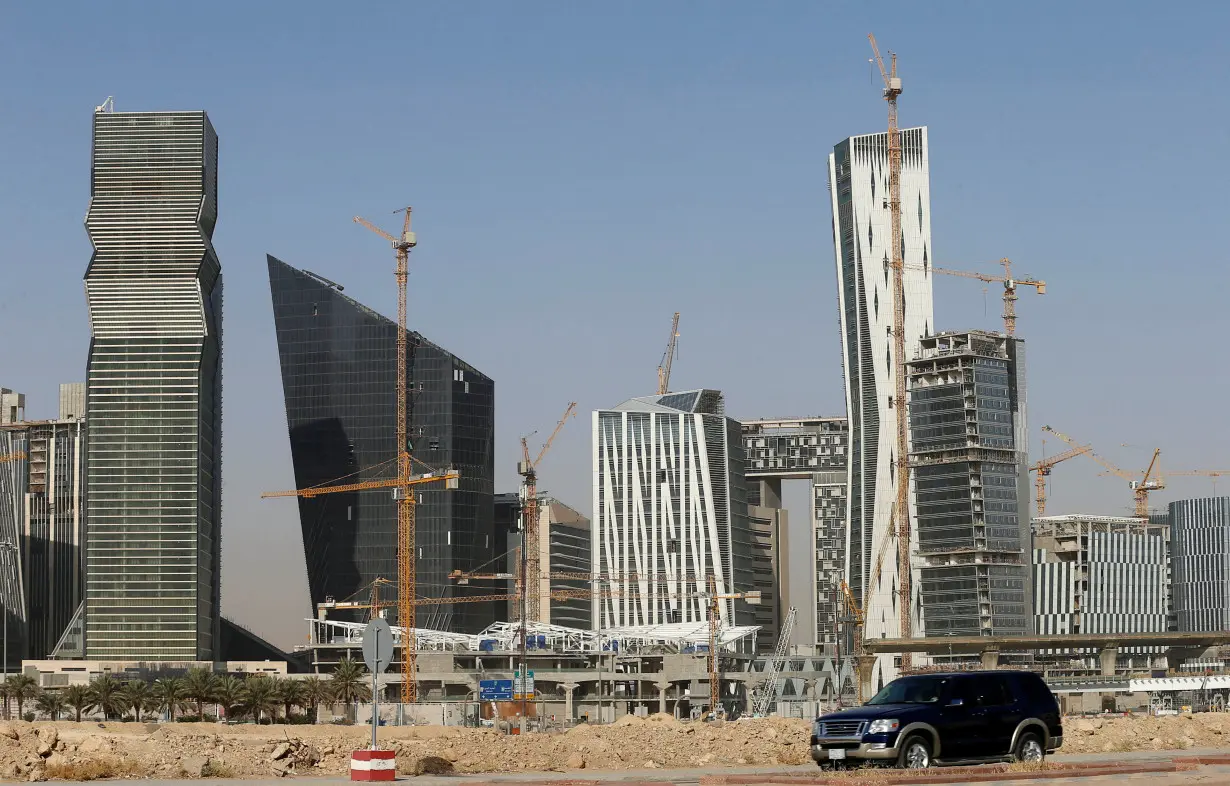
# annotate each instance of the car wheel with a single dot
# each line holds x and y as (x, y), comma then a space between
(1029, 748)
(915, 753)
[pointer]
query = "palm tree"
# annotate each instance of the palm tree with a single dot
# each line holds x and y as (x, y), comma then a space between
(200, 685)
(51, 704)
(263, 696)
(230, 695)
(169, 693)
(5, 697)
(315, 691)
(22, 687)
(105, 693)
(137, 695)
(79, 698)
(292, 694)
(349, 685)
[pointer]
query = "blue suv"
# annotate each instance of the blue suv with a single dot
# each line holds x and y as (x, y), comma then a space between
(925, 719)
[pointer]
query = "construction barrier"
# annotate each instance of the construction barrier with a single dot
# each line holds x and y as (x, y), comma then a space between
(368, 765)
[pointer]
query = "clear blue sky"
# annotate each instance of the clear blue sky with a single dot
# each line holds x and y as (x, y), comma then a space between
(579, 170)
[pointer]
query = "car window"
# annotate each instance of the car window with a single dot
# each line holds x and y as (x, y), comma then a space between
(991, 691)
(911, 690)
(963, 689)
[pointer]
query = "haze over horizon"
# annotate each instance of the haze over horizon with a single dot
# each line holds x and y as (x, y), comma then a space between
(579, 172)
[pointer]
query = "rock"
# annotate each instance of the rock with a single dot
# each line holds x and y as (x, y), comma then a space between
(9, 731)
(329, 750)
(44, 750)
(194, 766)
(280, 751)
(307, 755)
(49, 735)
(92, 744)
(280, 768)
(651, 765)
(433, 765)
(575, 762)
(57, 760)
(10, 771)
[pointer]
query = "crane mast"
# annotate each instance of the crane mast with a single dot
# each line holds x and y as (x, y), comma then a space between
(532, 540)
(664, 370)
(901, 507)
(406, 568)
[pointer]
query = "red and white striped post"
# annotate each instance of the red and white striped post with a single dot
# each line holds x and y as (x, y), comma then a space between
(370, 765)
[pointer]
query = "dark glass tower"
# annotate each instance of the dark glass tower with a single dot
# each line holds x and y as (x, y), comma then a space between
(153, 390)
(339, 369)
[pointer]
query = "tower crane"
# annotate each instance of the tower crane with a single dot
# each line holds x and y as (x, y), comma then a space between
(768, 695)
(853, 614)
(668, 357)
(1204, 473)
(1140, 488)
(901, 508)
(531, 558)
(1043, 469)
(1010, 285)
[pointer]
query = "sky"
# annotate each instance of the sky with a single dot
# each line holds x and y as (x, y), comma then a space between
(581, 170)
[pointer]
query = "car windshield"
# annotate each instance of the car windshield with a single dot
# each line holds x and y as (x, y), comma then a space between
(910, 690)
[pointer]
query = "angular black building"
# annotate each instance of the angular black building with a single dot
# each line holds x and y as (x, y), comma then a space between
(339, 371)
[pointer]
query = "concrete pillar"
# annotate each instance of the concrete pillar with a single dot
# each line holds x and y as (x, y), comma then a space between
(990, 659)
(662, 686)
(1107, 658)
(866, 668)
(568, 687)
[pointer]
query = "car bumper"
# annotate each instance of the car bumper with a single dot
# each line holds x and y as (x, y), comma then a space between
(854, 750)
(1056, 743)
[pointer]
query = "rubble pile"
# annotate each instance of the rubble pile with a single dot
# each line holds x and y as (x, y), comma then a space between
(90, 750)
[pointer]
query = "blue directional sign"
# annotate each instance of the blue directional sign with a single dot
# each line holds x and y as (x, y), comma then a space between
(495, 690)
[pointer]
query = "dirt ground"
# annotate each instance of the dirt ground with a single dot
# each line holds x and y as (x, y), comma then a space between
(38, 751)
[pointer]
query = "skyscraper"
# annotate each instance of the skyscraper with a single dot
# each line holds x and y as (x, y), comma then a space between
(862, 233)
(153, 389)
(670, 505)
(969, 447)
(1200, 550)
(339, 369)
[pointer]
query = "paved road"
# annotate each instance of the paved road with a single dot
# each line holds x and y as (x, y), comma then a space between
(685, 777)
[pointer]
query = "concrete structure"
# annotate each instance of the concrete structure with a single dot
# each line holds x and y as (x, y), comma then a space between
(813, 450)
(1200, 555)
(12, 407)
(862, 233)
(338, 362)
(565, 549)
(154, 389)
(670, 505)
(1098, 574)
(62, 673)
(969, 447)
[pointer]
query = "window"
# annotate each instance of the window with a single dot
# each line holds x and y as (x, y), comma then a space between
(990, 691)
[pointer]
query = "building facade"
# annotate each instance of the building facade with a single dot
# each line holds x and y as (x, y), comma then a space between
(566, 549)
(1100, 574)
(338, 362)
(862, 234)
(969, 446)
(1200, 556)
(670, 505)
(153, 389)
(814, 450)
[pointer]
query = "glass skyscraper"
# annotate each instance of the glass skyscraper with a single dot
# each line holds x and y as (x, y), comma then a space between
(339, 371)
(153, 389)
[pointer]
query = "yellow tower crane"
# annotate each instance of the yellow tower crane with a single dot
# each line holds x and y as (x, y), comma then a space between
(530, 555)
(668, 357)
(1043, 469)
(901, 507)
(1010, 285)
(1140, 488)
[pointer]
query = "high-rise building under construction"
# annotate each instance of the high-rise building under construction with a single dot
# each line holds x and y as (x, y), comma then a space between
(153, 389)
(970, 453)
(338, 361)
(862, 235)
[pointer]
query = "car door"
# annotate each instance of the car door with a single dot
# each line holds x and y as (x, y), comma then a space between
(1000, 710)
(960, 721)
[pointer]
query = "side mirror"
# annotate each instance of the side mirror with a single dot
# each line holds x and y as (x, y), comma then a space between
(957, 703)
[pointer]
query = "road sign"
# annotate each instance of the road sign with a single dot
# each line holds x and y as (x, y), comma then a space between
(523, 688)
(377, 645)
(495, 690)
